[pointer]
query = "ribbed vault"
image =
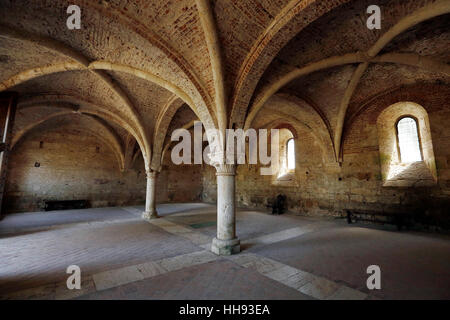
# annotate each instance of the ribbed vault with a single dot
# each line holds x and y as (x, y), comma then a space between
(134, 65)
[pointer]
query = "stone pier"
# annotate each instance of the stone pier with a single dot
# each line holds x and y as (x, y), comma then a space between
(150, 200)
(226, 242)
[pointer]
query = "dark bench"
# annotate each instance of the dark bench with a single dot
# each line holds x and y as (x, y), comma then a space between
(400, 219)
(278, 204)
(65, 204)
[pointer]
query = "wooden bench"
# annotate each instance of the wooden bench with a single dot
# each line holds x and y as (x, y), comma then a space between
(278, 204)
(65, 204)
(400, 219)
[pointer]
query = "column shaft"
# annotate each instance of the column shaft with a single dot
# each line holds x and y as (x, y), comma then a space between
(226, 218)
(150, 200)
(8, 104)
(226, 242)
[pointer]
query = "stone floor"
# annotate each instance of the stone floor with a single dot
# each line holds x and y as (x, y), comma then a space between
(283, 257)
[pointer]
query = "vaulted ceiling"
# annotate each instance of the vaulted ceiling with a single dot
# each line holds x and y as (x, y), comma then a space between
(147, 67)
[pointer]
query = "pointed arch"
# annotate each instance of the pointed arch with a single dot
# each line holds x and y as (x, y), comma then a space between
(113, 142)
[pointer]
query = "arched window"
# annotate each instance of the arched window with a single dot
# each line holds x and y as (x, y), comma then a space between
(290, 150)
(408, 140)
(405, 146)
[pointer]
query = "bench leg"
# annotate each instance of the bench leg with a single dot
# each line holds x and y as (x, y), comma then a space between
(349, 217)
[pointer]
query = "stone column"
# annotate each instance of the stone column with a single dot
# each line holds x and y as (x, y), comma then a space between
(8, 104)
(150, 201)
(226, 242)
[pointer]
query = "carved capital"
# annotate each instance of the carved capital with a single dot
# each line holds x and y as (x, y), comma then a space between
(225, 169)
(229, 157)
(151, 174)
(216, 158)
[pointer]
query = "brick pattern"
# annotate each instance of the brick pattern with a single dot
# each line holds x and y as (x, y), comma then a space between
(91, 172)
(273, 265)
(324, 188)
(306, 283)
(113, 278)
(33, 257)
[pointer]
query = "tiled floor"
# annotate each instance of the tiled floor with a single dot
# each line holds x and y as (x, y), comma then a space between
(283, 257)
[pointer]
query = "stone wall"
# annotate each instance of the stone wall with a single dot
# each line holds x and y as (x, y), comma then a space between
(326, 188)
(76, 165)
(68, 164)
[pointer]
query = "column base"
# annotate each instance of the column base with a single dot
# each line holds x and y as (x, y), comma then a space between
(226, 247)
(149, 215)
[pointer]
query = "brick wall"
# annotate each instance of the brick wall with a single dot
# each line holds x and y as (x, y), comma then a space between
(326, 188)
(76, 165)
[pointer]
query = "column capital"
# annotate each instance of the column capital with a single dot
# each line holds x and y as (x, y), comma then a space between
(151, 174)
(225, 163)
(225, 169)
